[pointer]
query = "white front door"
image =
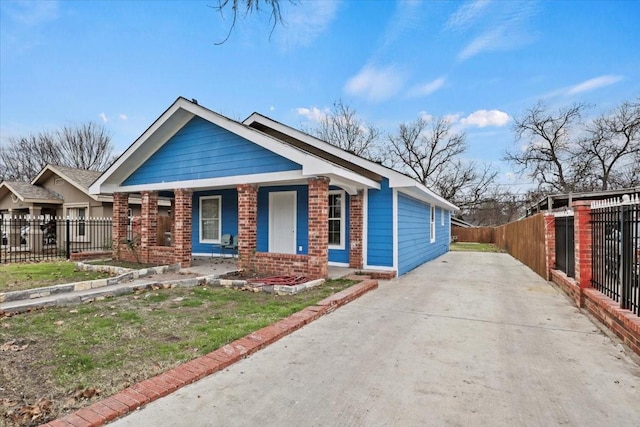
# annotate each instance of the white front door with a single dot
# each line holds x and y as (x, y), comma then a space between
(282, 222)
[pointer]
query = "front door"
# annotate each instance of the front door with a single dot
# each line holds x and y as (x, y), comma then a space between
(282, 222)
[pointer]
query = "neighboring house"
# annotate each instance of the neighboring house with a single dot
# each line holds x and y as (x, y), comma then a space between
(61, 191)
(565, 200)
(294, 203)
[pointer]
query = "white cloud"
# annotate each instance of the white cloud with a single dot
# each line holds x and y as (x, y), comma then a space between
(375, 84)
(466, 14)
(484, 118)
(123, 117)
(427, 88)
(594, 83)
(314, 113)
(425, 116)
(451, 118)
(305, 21)
(32, 13)
(103, 117)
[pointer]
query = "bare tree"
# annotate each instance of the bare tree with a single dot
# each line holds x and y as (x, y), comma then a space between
(613, 147)
(86, 146)
(430, 151)
(247, 7)
(550, 146)
(343, 128)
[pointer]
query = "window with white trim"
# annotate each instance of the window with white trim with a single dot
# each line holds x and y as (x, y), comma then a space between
(442, 217)
(336, 219)
(432, 220)
(210, 219)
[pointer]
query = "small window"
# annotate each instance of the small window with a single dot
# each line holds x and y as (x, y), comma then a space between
(336, 219)
(442, 217)
(210, 219)
(432, 220)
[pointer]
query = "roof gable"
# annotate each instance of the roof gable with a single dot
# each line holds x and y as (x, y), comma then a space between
(27, 192)
(200, 150)
(78, 178)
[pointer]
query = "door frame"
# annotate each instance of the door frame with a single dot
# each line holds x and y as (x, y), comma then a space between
(272, 217)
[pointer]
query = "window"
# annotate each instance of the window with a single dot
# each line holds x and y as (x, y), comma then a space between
(442, 217)
(210, 219)
(336, 219)
(432, 219)
(78, 214)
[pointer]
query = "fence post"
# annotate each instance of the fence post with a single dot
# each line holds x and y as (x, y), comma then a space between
(550, 242)
(582, 233)
(68, 238)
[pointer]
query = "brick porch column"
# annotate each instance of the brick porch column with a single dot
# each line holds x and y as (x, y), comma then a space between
(120, 221)
(550, 242)
(317, 264)
(183, 217)
(148, 223)
(247, 224)
(355, 229)
(582, 232)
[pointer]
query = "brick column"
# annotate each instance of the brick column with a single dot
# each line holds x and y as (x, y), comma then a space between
(355, 229)
(247, 225)
(148, 223)
(182, 236)
(317, 263)
(582, 232)
(120, 221)
(550, 242)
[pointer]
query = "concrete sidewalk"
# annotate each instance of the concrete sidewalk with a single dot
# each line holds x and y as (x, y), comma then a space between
(473, 339)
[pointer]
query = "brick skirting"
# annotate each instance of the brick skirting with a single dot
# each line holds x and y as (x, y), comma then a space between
(623, 323)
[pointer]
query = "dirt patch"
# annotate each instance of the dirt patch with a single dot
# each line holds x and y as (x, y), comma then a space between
(244, 275)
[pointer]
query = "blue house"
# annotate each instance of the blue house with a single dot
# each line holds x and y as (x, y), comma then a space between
(294, 204)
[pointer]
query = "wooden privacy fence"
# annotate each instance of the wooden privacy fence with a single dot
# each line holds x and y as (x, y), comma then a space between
(523, 240)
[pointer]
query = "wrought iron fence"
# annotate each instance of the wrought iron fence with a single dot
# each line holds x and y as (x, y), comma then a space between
(27, 238)
(615, 226)
(565, 243)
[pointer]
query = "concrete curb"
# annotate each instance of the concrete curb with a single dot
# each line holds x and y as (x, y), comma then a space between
(147, 391)
(122, 275)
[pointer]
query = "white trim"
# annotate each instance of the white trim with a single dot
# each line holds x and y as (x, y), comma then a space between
(563, 213)
(441, 217)
(294, 249)
(365, 224)
(343, 211)
(394, 215)
(338, 264)
(380, 267)
(57, 172)
(200, 239)
(432, 222)
(210, 183)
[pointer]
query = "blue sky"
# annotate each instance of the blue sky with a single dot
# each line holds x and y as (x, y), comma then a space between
(480, 63)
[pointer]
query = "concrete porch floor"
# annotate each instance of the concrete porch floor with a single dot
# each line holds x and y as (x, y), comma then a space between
(203, 265)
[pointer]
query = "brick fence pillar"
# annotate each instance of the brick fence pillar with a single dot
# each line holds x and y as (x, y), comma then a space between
(148, 223)
(550, 242)
(582, 233)
(120, 221)
(355, 229)
(247, 225)
(318, 261)
(183, 224)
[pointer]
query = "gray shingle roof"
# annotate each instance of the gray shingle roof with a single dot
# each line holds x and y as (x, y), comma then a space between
(27, 190)
(81, 177)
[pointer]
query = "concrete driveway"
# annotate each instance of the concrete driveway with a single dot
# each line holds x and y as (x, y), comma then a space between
(470, 339)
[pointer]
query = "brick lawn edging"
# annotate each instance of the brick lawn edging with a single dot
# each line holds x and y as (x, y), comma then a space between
(147, 391)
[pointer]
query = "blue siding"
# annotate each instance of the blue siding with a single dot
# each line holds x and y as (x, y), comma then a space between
(229, 218)
(204, 150)
(380, 226)
(414, 240)
(302, 221)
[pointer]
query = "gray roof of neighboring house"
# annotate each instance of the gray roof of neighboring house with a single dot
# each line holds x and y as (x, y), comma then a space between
(81, 177)
(26, 190)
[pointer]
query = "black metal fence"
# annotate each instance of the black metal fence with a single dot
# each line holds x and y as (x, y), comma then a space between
(565, 244)
(615, 249)
(26, 239)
